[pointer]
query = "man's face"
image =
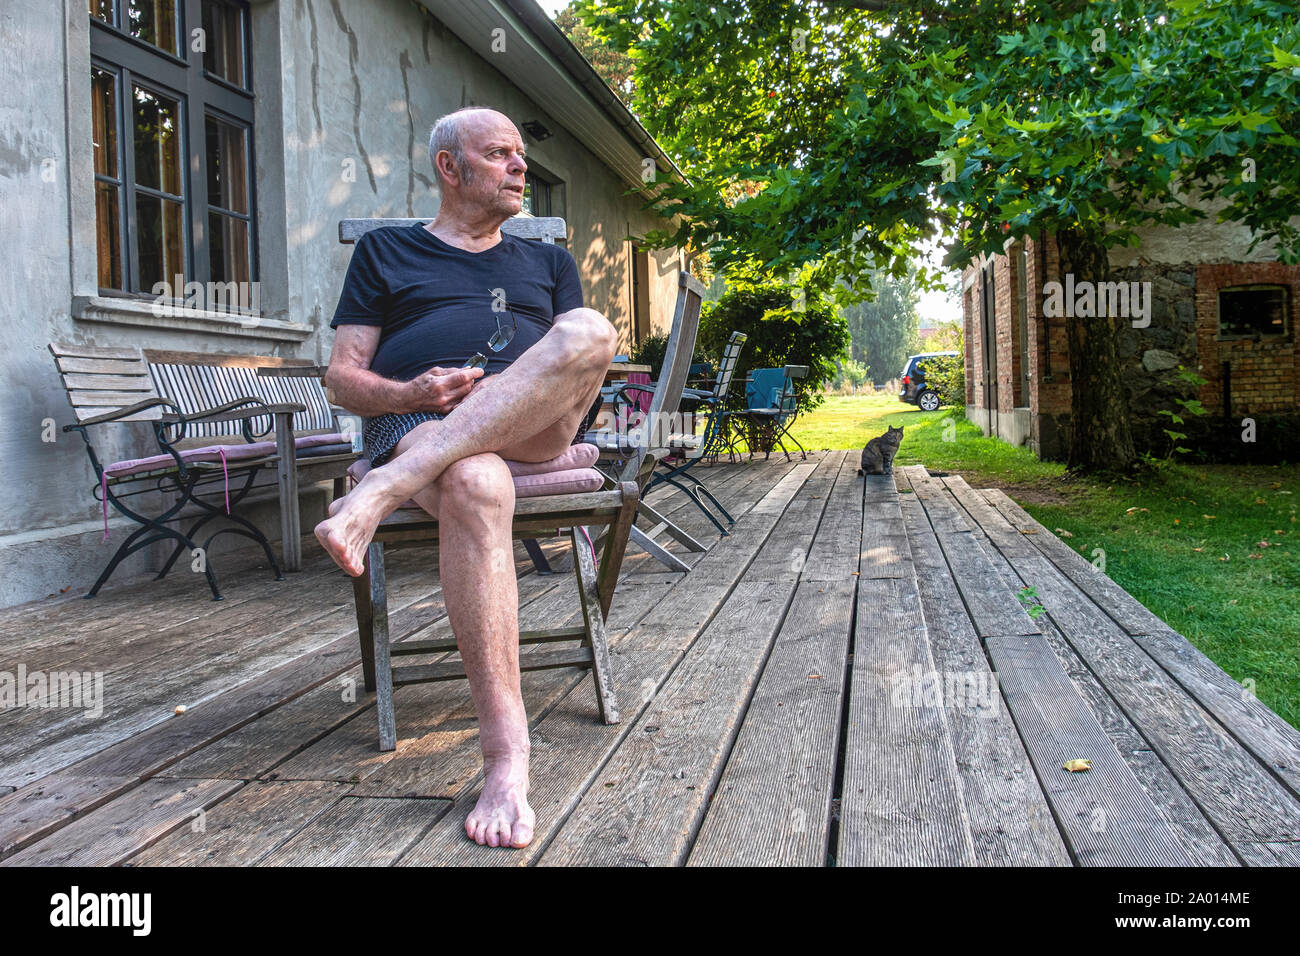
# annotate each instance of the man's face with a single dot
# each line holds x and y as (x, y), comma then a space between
(494, 154)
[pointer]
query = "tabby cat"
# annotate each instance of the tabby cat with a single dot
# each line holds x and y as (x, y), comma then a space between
(878, 456)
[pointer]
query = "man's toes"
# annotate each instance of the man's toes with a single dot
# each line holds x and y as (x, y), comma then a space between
(523, 835)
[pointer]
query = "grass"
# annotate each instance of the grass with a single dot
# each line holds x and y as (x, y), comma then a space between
(1212, 550)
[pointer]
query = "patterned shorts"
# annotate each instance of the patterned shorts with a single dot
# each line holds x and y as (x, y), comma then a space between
(381, 435)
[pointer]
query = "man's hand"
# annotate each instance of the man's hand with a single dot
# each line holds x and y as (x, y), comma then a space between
(439, 390)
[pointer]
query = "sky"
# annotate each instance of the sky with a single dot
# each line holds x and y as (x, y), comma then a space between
(934, 307)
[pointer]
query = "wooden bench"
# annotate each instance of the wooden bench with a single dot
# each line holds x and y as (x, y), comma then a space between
(208, 412)
(195, 380)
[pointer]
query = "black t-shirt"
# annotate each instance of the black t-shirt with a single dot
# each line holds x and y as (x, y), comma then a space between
(435, 302)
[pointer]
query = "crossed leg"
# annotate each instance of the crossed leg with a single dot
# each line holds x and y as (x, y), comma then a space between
(529, 412)
(473, 499)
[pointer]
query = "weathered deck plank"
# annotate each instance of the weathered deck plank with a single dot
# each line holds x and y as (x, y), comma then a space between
(1169, 797)
(1011, 822)
(109, 835)
(1271, 739)
(772, 805)
(245, 827)
(357, 831)
(901, 803)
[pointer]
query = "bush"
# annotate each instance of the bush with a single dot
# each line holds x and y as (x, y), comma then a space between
(650, 352)
(946, 374)
(851, 374)
(779, 335)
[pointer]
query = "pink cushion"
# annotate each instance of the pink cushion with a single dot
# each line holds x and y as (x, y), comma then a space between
(312, 441)
(571, 482)
(131, 466)
(575, 456)
(566, 474)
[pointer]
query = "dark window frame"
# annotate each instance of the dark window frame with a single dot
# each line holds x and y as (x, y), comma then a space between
(1222, 336)
(135, 62)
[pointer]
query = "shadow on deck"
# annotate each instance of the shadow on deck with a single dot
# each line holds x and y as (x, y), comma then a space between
(847, 678)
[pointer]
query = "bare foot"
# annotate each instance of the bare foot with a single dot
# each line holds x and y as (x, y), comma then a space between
(351, 524)
(502, 816)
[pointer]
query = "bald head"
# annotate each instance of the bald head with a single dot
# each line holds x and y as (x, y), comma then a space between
(452, 131)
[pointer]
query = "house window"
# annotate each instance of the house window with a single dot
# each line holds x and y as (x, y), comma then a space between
(172, 127)
(537, 195)
(1252, 311)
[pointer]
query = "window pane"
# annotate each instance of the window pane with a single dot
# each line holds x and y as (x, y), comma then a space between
(228, 249)
(223, 25)
(153, 21)
(157, 141)
(102, 10)
(108, 235)
(159, 224)
(103, 110)
(227, 166)
(1259, 311)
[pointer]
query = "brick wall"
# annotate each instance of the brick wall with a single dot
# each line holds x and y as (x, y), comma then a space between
(1265, 374)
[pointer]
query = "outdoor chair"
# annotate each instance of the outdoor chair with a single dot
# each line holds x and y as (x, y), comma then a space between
(649, 414)
(773, 406)
(548, 504)
(689, 450)
(208, 457)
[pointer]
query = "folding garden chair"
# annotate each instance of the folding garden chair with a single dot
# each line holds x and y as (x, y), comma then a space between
(690, 449)
(773, 406)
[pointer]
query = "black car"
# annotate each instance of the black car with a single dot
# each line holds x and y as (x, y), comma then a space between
(914, 389)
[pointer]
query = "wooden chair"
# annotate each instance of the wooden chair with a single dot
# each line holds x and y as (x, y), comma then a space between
(613, 508)
(114, 386)
(661, 424)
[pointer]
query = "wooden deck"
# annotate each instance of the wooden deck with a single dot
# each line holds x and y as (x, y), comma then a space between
(848, 678)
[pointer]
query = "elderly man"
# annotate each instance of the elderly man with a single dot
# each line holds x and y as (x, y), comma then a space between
(417, 303)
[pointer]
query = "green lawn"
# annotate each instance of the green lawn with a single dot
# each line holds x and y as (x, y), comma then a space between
(1212, 550)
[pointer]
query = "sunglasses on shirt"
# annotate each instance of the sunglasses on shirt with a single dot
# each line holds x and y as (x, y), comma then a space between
(500, 339)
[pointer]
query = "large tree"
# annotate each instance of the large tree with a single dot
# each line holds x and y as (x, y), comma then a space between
(834, 137)
(885, 328)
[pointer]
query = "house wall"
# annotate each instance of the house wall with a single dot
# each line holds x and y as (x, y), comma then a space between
(346, 94)
(1183, 330)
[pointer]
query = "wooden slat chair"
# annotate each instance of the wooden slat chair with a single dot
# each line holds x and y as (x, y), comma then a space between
(115, 386)
(308, 444)
(657, 407)
(710, 443)
(613, 508)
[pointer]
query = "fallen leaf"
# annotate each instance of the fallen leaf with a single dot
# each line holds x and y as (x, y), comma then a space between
(1198, 549)
(814, 676)
(1063, 533)
(1260, 501)
(1256, 555)
(1028, 531)
(1078, 764)
(1210, 517)
(180, 709)
(1176, 521)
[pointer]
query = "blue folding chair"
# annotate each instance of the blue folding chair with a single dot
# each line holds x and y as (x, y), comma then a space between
(773, 405)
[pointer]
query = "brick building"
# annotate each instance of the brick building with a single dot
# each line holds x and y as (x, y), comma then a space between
(1195, 297)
